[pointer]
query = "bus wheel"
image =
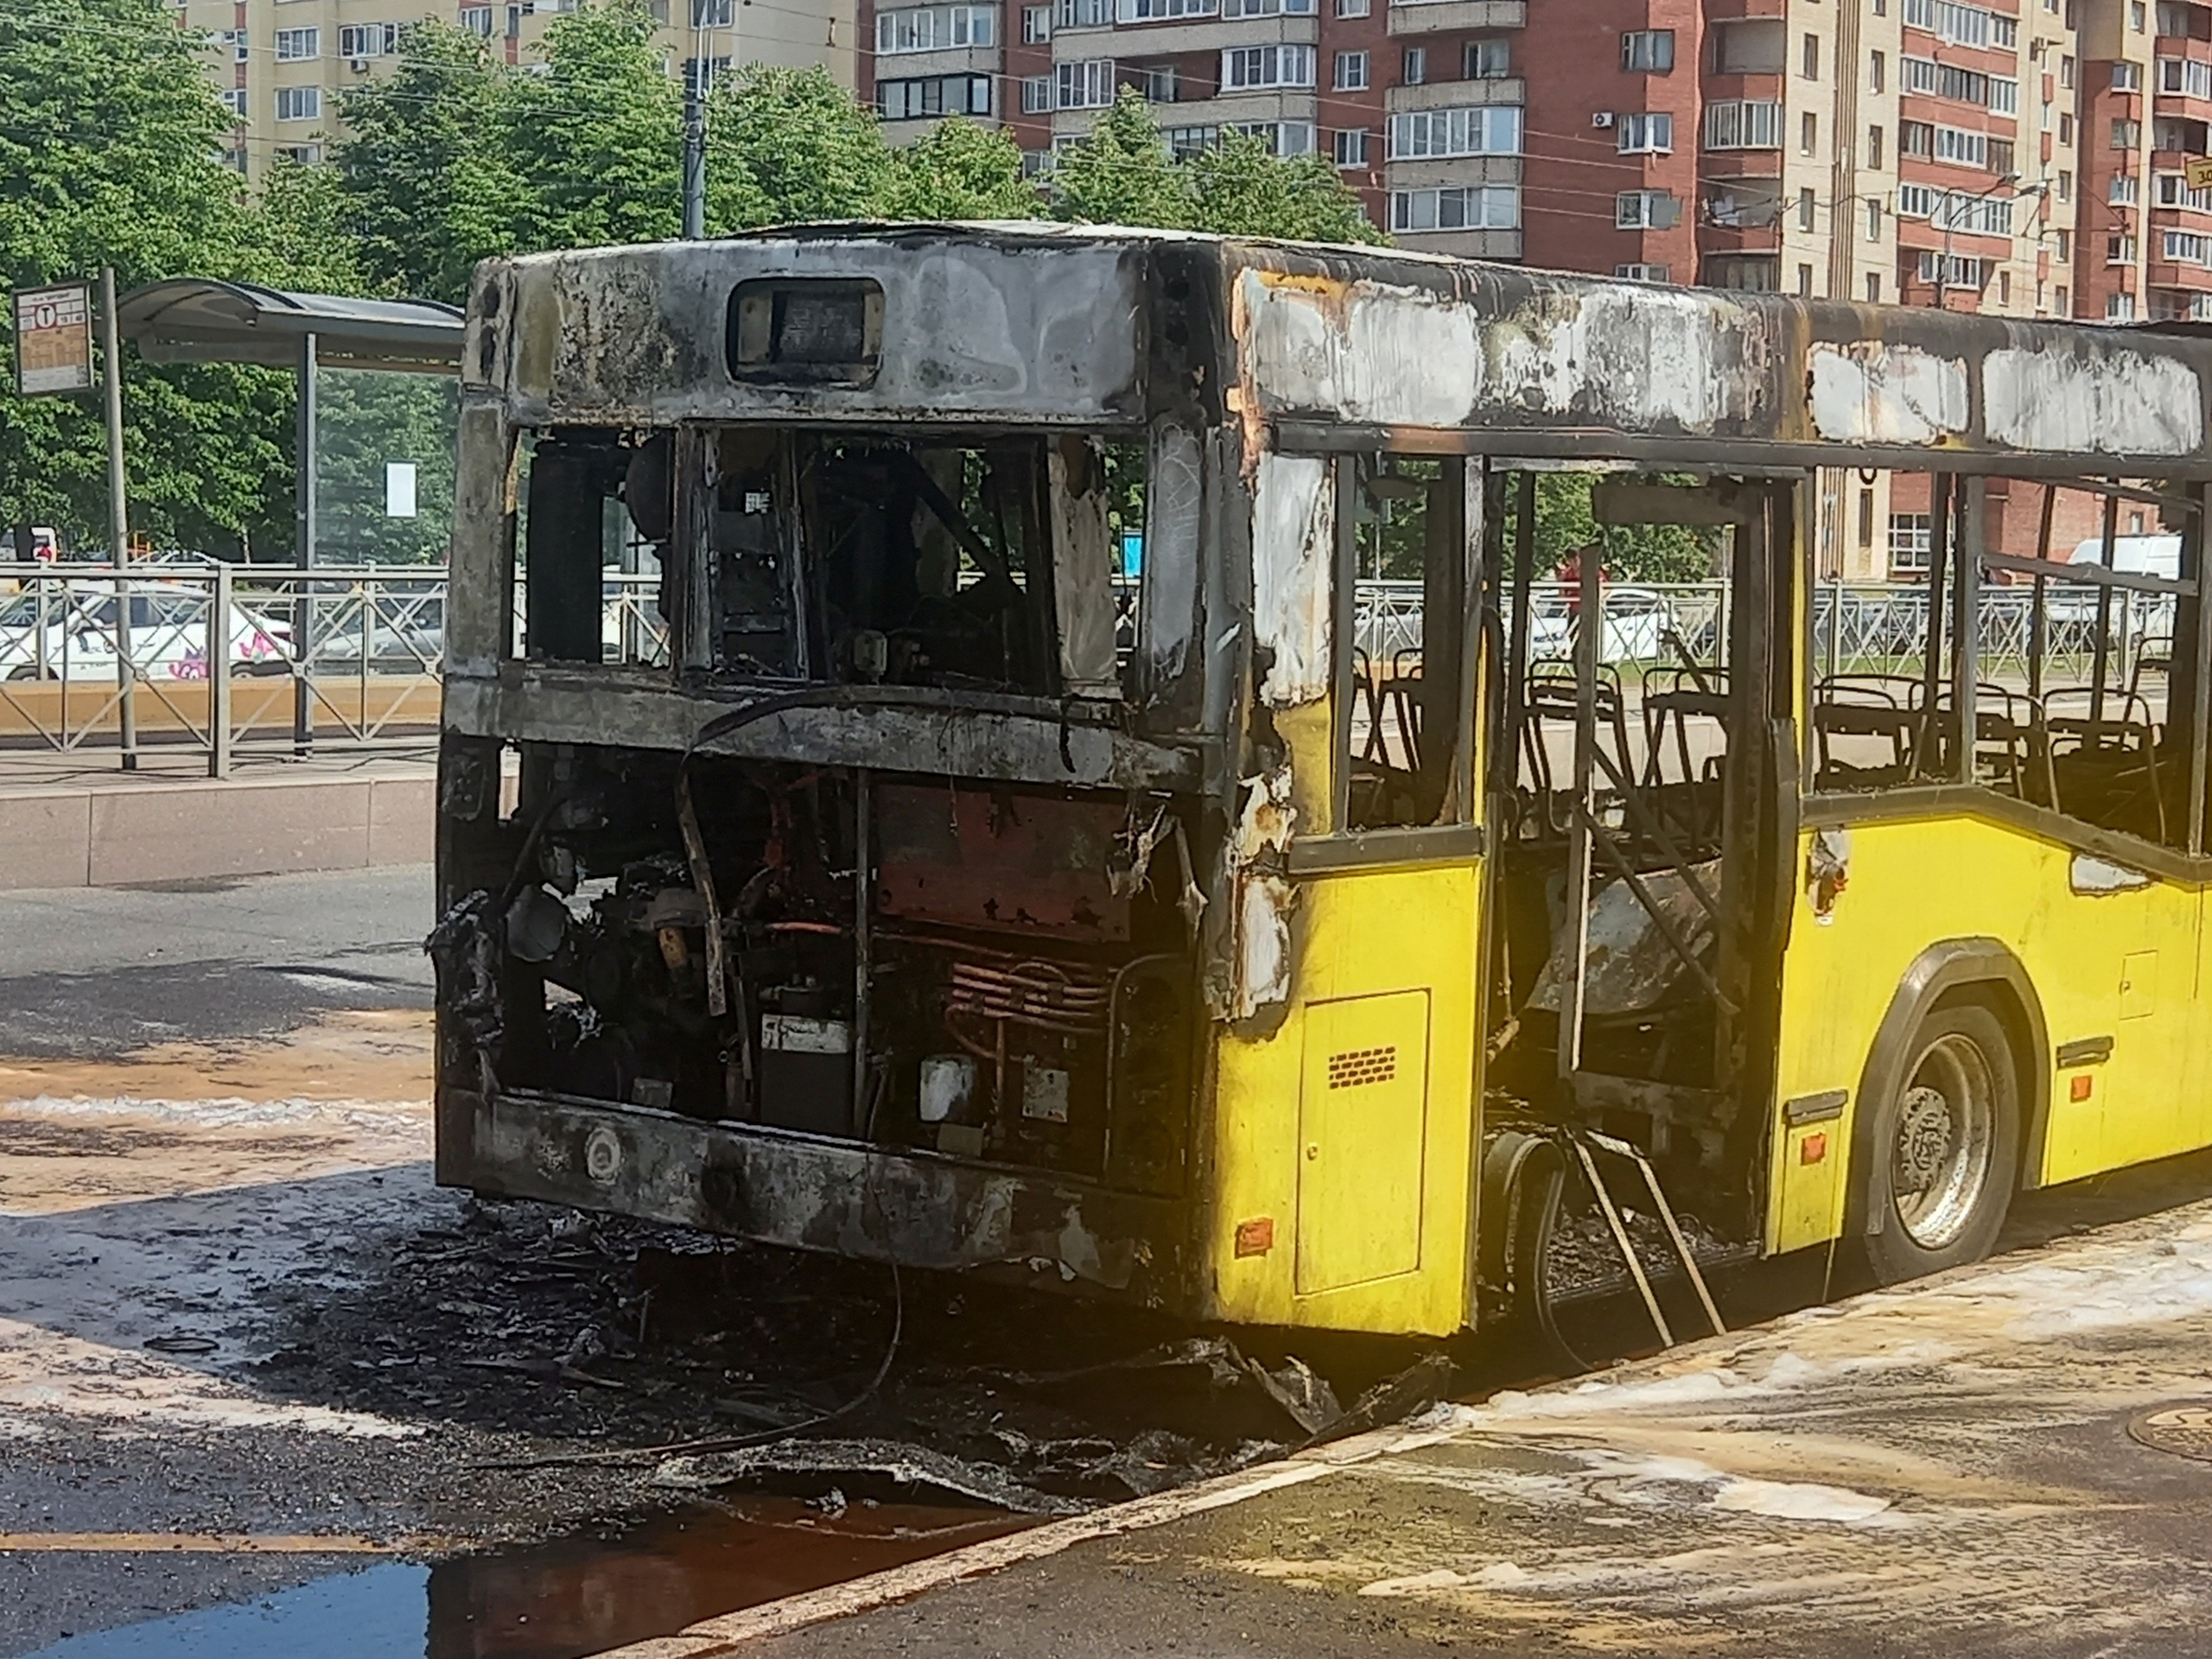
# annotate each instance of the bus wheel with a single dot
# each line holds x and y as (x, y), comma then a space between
(1944, 1149)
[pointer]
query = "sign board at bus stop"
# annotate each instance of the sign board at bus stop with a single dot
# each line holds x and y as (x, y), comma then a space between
(2199, 172)
(54, 338)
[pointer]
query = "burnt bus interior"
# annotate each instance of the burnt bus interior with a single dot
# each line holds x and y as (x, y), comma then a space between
(997, 969)
(1657, 765)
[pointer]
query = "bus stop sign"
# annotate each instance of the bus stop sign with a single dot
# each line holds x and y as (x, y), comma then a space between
(54, 338)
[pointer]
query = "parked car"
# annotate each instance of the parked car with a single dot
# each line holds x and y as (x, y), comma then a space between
(76, 627)
(1637, 621)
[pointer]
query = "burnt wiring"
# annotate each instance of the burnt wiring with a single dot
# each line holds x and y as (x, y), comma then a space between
(740, 1442)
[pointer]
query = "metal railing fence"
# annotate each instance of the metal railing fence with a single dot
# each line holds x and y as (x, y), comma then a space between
(227, 658)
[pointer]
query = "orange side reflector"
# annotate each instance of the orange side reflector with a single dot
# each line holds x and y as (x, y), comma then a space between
(1813, 1148)
(1255, 1237)
(2081, 1085)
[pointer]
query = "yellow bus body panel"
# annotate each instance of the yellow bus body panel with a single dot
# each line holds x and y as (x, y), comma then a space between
(2121, 964)
(1345, 1137)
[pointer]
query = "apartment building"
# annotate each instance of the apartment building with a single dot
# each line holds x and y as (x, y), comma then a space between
(282, 66)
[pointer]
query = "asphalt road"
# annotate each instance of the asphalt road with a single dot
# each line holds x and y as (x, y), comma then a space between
(97, 972)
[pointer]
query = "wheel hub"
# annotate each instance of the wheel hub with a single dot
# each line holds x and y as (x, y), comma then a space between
(1925, 1133)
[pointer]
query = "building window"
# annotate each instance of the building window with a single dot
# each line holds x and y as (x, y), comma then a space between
(1036, 25)
(1646, 210)
(2119, 307)
(1641, 273)
(1229, 8)
(1648, 51)
(1743, 124)
(2065, 185)
(2066, 72)
(1154, 83)
(1036, 94)
(1083, 14)
(239, 43)
(2004, 96)
(1958, 270)
(2190, 77)
(1873, 147)
(705, 14)
(1806, 208)
(1085, 85)
(1873, 218)
(1805, 281)
(1911, 534)
(304, 154)
(1809, 133)
(931, 96)
(296, 45)
(2126, 190)
(1489, 130)
(1351, 8)
(1747, 273)
(1916, 139)
(1873, 288)
(1351, 146)
(2064, 241)
(1877, 72)
(234, 101)
(1808, 58)
(1246, 68)
(2134, 16)
(1644, 134)
(1486, 61)
(2184, 248)
(2126, 77)
(1351, 72)
(2066, 128)
(368, 40)
(1415, 66)
(935, 29)
(477, 20)
(298, 103)
(1463, 207)
(2063, 303)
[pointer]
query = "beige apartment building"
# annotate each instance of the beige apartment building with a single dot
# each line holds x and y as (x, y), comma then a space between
(282, 66)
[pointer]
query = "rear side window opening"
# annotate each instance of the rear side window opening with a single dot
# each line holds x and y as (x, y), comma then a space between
(1005, 561)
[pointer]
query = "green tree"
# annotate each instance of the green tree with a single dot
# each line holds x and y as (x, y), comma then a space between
(1239, 188)
(1565, 524)
(1120, 173)
(957, 170)
(597, 133)
(784, 146)
(426, 179)
(110, 140)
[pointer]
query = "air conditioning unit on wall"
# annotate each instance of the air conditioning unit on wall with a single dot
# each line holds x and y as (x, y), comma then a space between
(1602, 119)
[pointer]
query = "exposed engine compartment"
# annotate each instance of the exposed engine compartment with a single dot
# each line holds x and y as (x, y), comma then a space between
(994, 972)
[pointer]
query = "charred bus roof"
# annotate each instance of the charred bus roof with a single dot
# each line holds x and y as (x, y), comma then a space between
(1107, 327)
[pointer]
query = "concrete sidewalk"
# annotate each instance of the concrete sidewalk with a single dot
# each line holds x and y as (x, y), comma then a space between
(78, 820)
(1982, 1464)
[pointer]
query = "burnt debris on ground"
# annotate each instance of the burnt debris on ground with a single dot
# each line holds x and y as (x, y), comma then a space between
(582, 1342)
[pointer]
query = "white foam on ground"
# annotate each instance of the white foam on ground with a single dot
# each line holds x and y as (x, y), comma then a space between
(225, 1112)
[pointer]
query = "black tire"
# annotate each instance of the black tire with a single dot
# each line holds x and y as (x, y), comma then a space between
(1940, 1166)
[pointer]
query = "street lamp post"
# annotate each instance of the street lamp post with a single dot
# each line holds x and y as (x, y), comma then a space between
(1950, 219)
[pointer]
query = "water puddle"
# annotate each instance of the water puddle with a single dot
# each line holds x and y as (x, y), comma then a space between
(562, 1599)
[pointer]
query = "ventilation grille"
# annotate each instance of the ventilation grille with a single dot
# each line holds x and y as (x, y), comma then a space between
(1356, 1068)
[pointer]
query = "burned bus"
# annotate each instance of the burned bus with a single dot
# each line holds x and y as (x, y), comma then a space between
(1002, 851)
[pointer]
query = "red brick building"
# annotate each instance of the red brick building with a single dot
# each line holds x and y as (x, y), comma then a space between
(2022, 156)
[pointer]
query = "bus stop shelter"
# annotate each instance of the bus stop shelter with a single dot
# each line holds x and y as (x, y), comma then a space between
(201, 320)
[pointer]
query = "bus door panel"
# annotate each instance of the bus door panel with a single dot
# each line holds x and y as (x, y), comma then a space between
(1345, 1133)
(2118, 985)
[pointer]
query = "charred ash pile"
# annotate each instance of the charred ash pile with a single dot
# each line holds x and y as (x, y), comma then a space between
(656, 1363)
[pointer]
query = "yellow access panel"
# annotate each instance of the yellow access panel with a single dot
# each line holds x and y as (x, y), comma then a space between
(1363, 1121)
(1381, 958)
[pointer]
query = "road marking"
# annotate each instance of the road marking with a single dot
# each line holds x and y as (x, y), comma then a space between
(728, 1631)
(199, 1543)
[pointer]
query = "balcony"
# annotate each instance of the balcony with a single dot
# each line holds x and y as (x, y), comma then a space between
(1439, 16)
(1465, 244)
(1429, 173)
(1456, 94)
(1206, 35)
